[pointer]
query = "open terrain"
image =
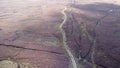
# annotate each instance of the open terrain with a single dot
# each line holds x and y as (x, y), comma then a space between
(30, 34)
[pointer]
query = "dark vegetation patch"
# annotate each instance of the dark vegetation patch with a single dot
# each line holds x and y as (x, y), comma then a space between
(92, 37)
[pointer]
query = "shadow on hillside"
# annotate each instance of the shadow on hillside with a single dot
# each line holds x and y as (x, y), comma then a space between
(97, 7)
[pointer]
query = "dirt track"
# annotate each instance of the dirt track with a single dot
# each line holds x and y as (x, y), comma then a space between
(34, 24)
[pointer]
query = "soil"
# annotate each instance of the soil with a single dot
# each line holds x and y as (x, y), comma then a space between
(34, 25)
